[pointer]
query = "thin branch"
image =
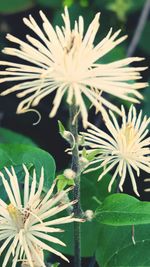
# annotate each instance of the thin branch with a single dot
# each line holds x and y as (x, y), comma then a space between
(76, 168)
(139, 29)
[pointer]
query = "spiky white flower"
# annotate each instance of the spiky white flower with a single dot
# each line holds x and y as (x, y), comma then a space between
(65, 60)
(27, 226)
(125, 149)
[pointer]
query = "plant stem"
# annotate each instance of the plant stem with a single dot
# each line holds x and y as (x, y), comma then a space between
(76, 193)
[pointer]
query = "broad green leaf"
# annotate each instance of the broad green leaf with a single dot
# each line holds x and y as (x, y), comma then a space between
(122, 209)
(91, 189)
(8, 136)
(15, 154)
(89, 238)
(13, 6)
(117, 249)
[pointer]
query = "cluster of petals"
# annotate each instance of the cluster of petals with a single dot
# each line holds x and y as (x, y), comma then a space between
(66, 61)
(124, 149)
(27, 226)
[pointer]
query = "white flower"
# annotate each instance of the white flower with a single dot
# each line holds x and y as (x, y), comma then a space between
(27, 226)
(65, 60)
(124, 149)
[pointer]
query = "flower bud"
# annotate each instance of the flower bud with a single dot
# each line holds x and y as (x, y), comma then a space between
(89, 215)
(69, 174)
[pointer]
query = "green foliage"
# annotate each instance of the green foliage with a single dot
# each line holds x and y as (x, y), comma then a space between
(84, 3)
(15, 154)
(115, 54)
(91, 189)
(7, 137)
(13, 6)
(74, 11)
(136, 5)
(122, 209)
(68, 3)
(146, 109)
(50, 3)
(116, 247)
(92, 192)
(89, 239)
(144, 44)
(120, 7)
(55, 264)
(63, 182)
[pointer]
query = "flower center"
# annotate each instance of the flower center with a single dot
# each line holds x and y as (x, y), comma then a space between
(126, 139)
(129, 133)
(17, 216)
(73, 43)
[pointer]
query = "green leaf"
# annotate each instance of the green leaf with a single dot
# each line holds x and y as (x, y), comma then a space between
(63, 182)
(117, 249)
(15, 154)
(66, 134)
(8, 136)
(50, 3)
(91, 189)
(61, 128)
(122, 209)
(13, 6)
(89, 241)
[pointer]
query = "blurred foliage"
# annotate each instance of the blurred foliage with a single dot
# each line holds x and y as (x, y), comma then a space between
(9, 6)
(144, 44)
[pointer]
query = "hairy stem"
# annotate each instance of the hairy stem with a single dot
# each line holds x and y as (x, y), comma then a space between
(76, 193)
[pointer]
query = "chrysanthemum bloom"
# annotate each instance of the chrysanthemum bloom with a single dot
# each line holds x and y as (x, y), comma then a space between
(124, 149)
(65, 60)
(27, 226)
